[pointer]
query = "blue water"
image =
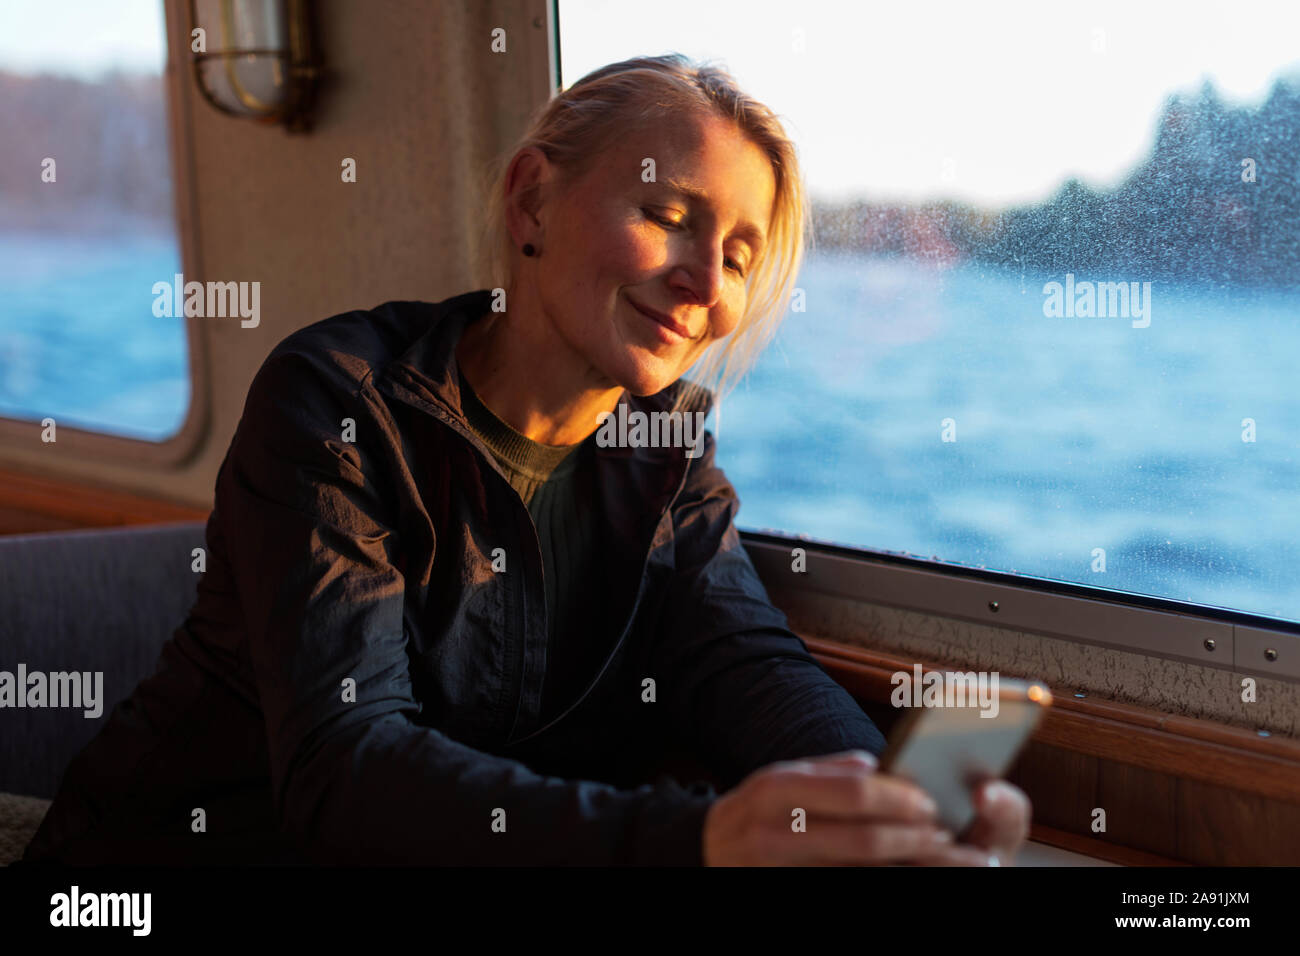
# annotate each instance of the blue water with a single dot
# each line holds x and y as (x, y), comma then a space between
(1071, 434)
(78, 338)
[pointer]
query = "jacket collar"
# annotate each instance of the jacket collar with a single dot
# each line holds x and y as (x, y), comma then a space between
(425, 376)
(428, 366)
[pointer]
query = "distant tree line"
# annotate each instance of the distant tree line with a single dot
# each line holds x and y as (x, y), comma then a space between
(1217, 201)
(109, 140)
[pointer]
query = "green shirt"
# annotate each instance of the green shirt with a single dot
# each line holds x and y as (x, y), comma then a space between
(557, 484)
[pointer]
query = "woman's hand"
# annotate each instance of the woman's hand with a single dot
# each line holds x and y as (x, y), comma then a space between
(853, 817)
(1002, 820)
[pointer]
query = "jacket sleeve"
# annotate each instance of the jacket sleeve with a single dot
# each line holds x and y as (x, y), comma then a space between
(311, 539)
(735, 678)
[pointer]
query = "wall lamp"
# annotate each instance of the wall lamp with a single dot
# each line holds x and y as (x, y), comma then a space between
(255, 58)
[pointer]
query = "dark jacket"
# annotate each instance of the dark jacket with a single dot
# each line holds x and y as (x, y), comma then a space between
(355, 683)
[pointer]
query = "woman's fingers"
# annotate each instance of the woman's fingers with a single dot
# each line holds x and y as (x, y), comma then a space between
(843, 843)
(959, 854)
(1002, 818)
(855, 818)
(843, 792)
(828, 842)
(849, 758)
(838, 810)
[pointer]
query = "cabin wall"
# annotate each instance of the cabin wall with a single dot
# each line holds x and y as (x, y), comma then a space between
(417, 97)
(1172, 687)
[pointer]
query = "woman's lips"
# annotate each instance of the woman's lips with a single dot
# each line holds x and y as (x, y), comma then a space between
(672, 331)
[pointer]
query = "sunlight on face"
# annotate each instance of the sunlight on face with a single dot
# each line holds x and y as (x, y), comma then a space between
(619, 247)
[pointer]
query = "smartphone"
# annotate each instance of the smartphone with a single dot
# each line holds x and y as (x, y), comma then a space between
(947, 749)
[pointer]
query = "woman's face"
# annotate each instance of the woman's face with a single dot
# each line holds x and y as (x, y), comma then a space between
(614, 245)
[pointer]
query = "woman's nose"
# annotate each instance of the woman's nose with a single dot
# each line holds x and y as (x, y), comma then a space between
(704, 268)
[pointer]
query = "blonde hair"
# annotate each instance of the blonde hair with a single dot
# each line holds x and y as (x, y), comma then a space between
(576, 126)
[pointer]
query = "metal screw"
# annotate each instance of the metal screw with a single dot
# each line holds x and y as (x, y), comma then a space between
(993, 606)
(1270, 654)
(1209, 643)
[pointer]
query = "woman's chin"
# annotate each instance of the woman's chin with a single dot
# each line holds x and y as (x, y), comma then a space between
(648, 381)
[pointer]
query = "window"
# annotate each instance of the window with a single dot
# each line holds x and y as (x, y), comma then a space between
(1054, 309)
(87, 220)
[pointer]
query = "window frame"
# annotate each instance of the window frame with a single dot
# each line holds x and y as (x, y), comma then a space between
(1141, 624)
(88, 444)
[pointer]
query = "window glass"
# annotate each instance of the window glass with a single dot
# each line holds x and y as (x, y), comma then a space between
(87, 221)
(1053, 314)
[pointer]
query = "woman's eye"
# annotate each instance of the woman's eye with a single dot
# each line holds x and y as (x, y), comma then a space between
(659, 219)
(732, 263)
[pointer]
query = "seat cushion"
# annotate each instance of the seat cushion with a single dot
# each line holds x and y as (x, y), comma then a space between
(19, 818)
(104, 600)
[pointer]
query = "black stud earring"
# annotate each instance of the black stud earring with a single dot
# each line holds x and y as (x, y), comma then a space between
(529, 250)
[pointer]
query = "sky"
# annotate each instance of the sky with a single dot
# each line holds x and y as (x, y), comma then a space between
(82, 38)
(991, 103)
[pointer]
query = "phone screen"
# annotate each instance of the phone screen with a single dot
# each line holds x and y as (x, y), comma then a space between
(948, 750)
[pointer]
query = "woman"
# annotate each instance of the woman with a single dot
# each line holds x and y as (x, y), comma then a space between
(444, 621)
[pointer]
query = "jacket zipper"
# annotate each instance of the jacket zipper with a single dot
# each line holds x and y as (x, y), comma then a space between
(627, 625)
(444, 416)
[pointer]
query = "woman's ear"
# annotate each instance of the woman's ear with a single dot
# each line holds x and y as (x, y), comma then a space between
(529, 171)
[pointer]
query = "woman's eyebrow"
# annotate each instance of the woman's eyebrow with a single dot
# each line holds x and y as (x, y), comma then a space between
(744, 229)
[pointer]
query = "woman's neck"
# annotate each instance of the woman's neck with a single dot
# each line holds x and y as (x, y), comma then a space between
(522, 369)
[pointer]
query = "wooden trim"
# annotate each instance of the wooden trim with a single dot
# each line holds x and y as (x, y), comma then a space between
(1231, 757)
(31, 503)
(185, 175)
(1097, 849)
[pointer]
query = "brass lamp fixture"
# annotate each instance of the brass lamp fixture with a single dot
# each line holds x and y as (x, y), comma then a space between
(254, 58)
